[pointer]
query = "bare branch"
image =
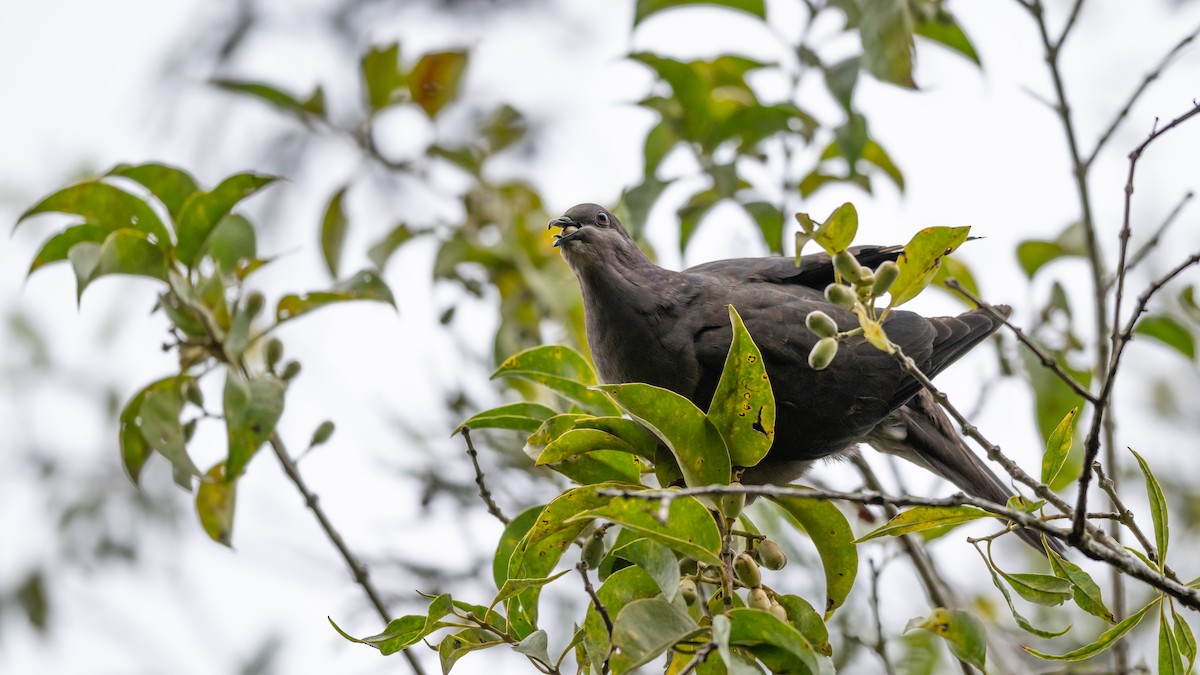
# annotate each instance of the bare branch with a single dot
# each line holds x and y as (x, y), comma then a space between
(582, 568)
(1154, 239)
(484, 494)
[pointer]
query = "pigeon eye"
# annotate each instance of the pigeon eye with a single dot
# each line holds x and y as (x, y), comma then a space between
(602, 218)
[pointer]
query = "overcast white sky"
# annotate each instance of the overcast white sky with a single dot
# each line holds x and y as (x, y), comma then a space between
(82, 86)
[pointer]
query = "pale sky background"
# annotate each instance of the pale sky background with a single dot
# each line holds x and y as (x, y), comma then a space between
(85, 85)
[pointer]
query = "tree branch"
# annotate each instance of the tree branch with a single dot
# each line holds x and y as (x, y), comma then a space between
(484, 494)
(1153, 241)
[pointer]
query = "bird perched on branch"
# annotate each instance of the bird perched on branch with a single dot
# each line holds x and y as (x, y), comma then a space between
(671, 329)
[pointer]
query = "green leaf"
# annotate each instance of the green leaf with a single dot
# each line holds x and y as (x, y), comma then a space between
(660, 140)
(769, 220)
(575, 442)
(1107, 639)
(644, 443)
(407, 630)
(252, 409)
(134, 448)
(743, 406)
(158, 420)
(655, 559)
(887, 28)
(851, 140)
(689, 528)
(601, 466)
(786, 649)
(735, 664)
(874, 153)
(561, 369)
(841, 78)
(435, 79)
(169, 185)
(454, 647)
(513, 533)
(381, 75)
(313, 106)
(808, 621)
(382, 250)
(1168, 331)
(104, 205)
(1185, 639)
(920, 518)
(233, 242)
(365, 285)
(827, 527)
(1058, 446)
(57, 247)
(647, 8)
(645, 628)
(947, 32)
(691, 213)
(523, 416)
(836, 233)
(535, 645)
(963, 633)
(621, 588)
(333, 232)
(1158, 509)
(1083, 588)
(953, 268)
(1040, 589)
(512, 587)
(687, 433)
(1021, 620)
(921, 258)
(1034, 254)
(203, 210)
(128, 251)
(1170, 653)
(215, 500)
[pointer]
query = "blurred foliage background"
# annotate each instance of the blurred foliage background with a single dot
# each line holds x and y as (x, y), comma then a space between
(431, 142)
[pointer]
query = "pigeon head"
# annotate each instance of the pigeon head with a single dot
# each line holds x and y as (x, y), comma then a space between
(588, 231)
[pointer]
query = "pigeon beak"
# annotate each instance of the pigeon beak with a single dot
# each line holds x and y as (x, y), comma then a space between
(569, 227)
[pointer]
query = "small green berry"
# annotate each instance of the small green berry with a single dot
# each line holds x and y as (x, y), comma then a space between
(290, 371)
(746, 571)
(759, 599)
(847, 265)
(593, 551)
(254, 303)
(885, 276)
(820, 324)
(771, 556)
(779, 611)
(687, 588)
(322, 434)
(274, 352)
(822, 353)
(840, 295)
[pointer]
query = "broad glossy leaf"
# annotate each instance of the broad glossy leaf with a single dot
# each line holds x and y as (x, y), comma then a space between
(158, 420)
(920, 518)
(657, 560)
(512, 587)
(838, 230)
(435, 78)
(513, 533)
(1058, 446)
(645, 628)
(689, 528)
(948, 33)
(1158, 508)
(215, 501)
(1168, 331)
(575, 442)
(1107, 639)
(621, 588)
(313, 105)
(134, 449)
(561, 369)
(57, 247)
(523, 416)
(203, 210)
(104, 205)
(692, 439)
(535, 645)
(808, 621)
(1083, 588)
(831, 534)
(743, 406)
(170, 185)
(734, 664)
(381, 75)
(642, 442)
(128, 251)
(333, 232)
(887, 28)
(233, 243)
(601, 466)
(646, 8)
(921, 258)
(252, 409)
(755, 629)
(963, 633)
(365, 285)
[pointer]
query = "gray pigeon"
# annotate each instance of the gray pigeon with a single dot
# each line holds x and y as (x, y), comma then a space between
(671, 329)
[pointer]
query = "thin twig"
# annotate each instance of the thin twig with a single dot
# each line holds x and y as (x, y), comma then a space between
(1095, 548)
(582, 568)
(1154, 239)
(1045, 359)
(1137, 93)
(879, 645)
(1125, 516)
(484, 494)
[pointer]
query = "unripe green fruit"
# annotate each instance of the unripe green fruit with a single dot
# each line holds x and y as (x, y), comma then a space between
(254, 303)
(290, 371)
(274, 352)
(822, 353)
(840, 295)
(687, 588)
(759, 599)
(771, 556)
(688, 566)
(746, 570)
(847, 266)
(732, 504)
(885, 276)
(865, 280)
(820, 324)
(322, 434)
(593, 552)
(779, 611)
